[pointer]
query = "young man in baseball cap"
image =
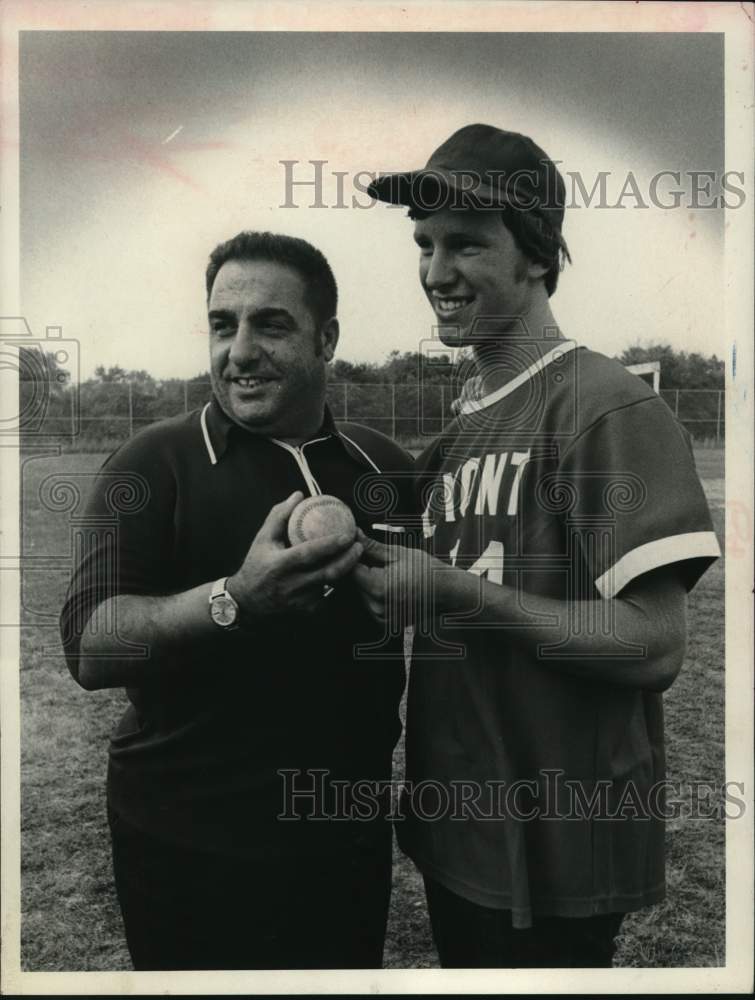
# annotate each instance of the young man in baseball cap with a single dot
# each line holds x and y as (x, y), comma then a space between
(564, 524)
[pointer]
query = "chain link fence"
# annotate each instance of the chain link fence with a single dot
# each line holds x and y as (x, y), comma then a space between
(99, 416)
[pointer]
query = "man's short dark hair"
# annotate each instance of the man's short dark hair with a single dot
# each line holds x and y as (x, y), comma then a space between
(534, 236)
(302, 257)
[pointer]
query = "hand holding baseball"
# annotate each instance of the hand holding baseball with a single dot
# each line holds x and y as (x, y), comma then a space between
(276, 578)
(318, 516)
(396, 583)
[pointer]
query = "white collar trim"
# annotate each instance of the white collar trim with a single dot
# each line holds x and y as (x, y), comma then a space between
(206, 435)
(473, 405)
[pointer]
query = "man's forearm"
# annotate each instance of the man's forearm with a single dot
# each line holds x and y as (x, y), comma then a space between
(617, 641)
(130, 637)
(274, 578)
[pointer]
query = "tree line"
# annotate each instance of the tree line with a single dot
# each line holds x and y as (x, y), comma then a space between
(408, 395)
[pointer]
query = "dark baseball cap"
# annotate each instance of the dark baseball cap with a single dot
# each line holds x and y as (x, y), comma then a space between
(481, 166)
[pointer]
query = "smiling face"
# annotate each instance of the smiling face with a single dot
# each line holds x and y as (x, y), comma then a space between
(267, 357)
(477, 280)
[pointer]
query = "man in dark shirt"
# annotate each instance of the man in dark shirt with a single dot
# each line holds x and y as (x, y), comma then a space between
(252, 713)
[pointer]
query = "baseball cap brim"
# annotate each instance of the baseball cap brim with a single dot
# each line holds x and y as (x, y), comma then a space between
(434, 188)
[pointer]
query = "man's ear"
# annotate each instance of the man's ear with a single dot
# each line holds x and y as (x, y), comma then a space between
(535, 271)
(329, 339)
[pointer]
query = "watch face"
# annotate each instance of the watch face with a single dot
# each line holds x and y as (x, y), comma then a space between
(223, 611)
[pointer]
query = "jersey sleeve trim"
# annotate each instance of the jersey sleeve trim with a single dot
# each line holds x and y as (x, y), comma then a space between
(661, 552)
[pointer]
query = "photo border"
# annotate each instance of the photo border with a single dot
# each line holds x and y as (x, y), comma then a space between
(734, 20)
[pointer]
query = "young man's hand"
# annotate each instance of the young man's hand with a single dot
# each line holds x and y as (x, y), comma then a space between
(397, 583)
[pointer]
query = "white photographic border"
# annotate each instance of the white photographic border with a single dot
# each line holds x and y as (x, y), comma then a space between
(734, 20)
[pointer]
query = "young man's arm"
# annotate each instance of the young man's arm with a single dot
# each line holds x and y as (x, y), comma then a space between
(272, 579)
(649, 614)
(634, 463)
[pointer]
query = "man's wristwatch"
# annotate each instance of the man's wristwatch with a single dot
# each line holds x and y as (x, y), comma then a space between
(224, 611)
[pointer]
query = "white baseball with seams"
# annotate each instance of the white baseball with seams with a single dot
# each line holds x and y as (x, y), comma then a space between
(317, 516)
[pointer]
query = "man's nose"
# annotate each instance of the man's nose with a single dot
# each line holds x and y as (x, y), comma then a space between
(439, 271)
(245, 347)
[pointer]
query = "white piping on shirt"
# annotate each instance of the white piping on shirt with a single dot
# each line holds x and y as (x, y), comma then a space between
(205, 432)
(352, 442)
(473, 405)
(375, 527)
(301, 461)
(312, 485)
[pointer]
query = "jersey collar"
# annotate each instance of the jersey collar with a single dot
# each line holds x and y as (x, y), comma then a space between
(473, 405)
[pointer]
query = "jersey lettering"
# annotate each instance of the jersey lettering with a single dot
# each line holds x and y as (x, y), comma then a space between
(469, 479)
(520, 459)
(491, 480)
(490, 483)
(490, 563)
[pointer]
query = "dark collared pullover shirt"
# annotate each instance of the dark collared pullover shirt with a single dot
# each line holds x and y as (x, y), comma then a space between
(211, 747)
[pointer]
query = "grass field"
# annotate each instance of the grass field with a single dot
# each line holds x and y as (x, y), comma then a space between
(70, 919)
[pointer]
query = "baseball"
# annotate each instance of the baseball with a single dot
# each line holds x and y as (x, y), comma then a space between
(317, 516)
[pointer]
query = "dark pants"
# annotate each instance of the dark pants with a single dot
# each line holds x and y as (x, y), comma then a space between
(469, 936)
(190, 910)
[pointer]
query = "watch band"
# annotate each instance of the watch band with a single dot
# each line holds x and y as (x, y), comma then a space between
(218, 589)
(219, 600)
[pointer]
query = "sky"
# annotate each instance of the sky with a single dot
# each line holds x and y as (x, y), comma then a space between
(140, 151)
